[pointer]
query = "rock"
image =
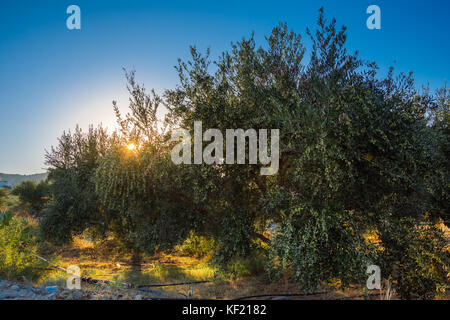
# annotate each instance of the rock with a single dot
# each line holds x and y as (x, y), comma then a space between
(14, 291)
(7, 294)
(63, 294)
(79, 296)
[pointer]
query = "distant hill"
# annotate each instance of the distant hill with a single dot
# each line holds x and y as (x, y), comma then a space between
(15, 179)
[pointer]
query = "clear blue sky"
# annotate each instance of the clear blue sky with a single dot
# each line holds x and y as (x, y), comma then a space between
(52, 78)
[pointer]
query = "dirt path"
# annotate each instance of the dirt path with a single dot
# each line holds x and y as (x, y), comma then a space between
(16, 291)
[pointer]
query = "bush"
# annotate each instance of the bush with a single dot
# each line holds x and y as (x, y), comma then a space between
(197, 246)
(414, 256)
(250, 266)
(18, 247)
(32, 195)
(3, 198)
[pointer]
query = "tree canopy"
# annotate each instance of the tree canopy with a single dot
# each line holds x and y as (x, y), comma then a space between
(33, 195)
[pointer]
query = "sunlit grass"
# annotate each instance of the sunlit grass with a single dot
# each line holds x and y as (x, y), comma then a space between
(103, 261)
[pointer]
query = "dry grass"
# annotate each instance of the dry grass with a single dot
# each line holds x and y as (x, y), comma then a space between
(104, 261)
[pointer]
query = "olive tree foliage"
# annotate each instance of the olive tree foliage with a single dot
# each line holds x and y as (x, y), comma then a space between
(439, 181)
(141, 123)
(141, 190)
(74, 206)
(356, 153)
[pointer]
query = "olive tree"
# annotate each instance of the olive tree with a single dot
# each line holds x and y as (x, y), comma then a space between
(356, 154)
(139, 188)
(74, 206)
(33, 195)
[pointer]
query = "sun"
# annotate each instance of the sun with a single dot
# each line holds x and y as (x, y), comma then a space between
(131, 147)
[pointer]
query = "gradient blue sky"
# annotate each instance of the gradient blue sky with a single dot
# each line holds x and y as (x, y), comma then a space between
(52, 78)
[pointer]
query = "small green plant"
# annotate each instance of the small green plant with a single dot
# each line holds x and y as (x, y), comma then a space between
(249, 266)
(197, 246)
(115, 283)
(18, 248)
(188, 294)
(366, 294)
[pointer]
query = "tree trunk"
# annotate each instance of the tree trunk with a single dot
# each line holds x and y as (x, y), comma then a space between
(136, 259)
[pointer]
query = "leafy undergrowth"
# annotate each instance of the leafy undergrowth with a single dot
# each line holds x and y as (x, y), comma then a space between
(104, 261)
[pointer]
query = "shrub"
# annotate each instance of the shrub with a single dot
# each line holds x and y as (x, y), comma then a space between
(3, 198)
(32, 195)
(197, 246)
(414, 256)
(250, 266)
(18, 248)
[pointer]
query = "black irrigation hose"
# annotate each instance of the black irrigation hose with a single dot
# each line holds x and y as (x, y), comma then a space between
(360, 296)
(307, 294)
(283, 295)
(156, 292)
(143, 286)
(128, 285)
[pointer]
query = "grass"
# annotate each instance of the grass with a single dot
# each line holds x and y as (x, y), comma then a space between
(169, 268)
(95, 262)
(12, 200)
(105, 261)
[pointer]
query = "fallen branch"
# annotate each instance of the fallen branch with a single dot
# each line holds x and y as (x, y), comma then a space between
(262, 238)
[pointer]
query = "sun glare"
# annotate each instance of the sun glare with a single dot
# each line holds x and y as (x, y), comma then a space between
(131, 147)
